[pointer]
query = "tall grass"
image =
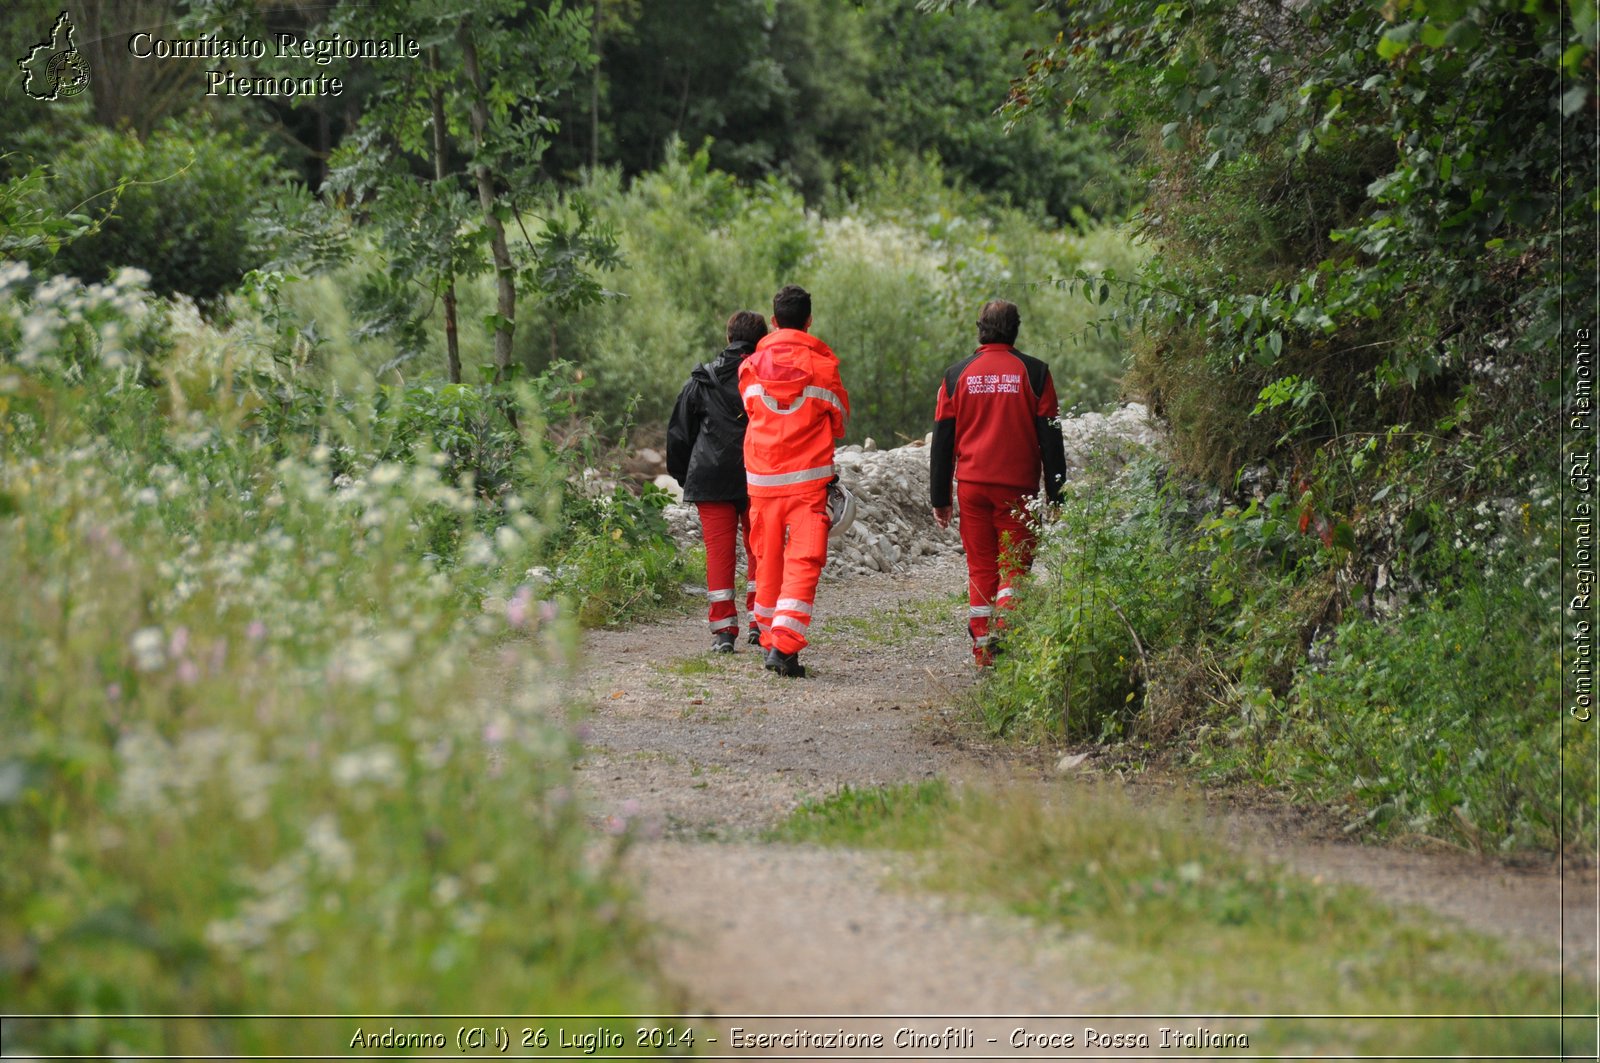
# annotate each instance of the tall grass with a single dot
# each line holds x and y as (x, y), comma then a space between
(258, 750)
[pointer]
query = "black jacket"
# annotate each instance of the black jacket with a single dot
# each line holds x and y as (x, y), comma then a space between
(705, 438)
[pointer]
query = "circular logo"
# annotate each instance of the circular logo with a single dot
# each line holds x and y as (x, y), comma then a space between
(68, 73)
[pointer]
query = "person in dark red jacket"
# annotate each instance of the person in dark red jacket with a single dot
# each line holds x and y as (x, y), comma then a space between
(705, 454)
(995, 430)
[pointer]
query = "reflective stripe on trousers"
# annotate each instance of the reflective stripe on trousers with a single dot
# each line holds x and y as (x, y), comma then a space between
(723, 525)
(998, 538)
(790, 533)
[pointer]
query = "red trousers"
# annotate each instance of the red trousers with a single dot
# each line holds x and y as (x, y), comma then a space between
(791, 538)
(722, 524)
(998, 537)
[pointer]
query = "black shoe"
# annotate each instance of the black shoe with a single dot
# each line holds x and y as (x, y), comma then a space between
(723, 642)
(755, 637)
(785, 664)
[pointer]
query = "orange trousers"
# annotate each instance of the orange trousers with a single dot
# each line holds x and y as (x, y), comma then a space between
(790, 533)
(722, 524)
(998, 538)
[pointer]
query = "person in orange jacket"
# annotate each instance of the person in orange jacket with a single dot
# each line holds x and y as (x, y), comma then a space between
(797, 407)
(995, 430)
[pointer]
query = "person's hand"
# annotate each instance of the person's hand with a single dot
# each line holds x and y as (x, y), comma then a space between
(941, 516)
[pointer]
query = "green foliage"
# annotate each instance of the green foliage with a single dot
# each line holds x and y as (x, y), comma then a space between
(275, 763)
(1380, 213)
(822, 93)
(1440, 722)
(1172, 625)
(29, 228)
(906, 816)
(897, 279)
(945, 74)
(617, 558)
(179, 206)
(1133, 573)
(446, 157)
(1113, 587)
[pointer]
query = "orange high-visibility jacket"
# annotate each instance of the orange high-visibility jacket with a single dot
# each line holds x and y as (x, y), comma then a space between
(797, 407)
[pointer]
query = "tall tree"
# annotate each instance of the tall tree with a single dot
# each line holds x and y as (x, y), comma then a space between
(446, 158)
(816, 89)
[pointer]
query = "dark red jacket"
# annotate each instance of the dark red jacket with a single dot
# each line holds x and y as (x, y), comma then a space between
(995, 424)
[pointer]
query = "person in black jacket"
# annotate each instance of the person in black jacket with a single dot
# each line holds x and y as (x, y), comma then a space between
(705, 454)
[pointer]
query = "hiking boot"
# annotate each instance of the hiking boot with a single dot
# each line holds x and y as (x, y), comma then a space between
(723, 642)
(785, 664)
(755, 637)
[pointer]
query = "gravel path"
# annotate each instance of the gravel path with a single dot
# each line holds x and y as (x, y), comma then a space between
(707, 752)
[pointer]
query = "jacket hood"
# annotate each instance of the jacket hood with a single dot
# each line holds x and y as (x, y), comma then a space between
(734, 353)
(783, 359)
(726, 365)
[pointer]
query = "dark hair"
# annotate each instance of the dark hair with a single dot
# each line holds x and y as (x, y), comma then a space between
(791, 307)
(998, 322)
(746, 326)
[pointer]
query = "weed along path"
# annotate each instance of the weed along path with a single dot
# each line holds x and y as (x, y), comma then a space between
(700, 757)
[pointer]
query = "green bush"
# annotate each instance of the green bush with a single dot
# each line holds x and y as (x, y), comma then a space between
(182, 202)
(696, 246)
(1223, 636)
(897, 277)
(616, 558)
(1113, 586)
(1444, 720)
(259, 750)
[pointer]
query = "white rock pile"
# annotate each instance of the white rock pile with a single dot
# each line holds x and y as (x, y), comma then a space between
(894, 526)
(1094, 438)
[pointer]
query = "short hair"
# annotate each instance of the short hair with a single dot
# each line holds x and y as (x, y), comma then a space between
(998, 322)
(791, 307)
(746, 326)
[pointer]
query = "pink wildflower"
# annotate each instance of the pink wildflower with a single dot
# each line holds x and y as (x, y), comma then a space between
(519, 608)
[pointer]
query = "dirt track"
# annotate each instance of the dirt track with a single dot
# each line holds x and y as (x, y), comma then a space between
(706, 752)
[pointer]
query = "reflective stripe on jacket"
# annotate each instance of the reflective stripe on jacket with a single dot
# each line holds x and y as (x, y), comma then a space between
(797, 407)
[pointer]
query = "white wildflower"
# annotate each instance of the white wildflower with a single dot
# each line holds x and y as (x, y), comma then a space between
(479, 552)
(146, 762)
(149, 649)
(331, 852)
(12, 273)
(385, 473)
(446, 890)
(377, 764)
